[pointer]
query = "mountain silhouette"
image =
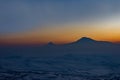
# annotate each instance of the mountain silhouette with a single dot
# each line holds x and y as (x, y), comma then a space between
(50, 44)
(89, 41)
(85, 40)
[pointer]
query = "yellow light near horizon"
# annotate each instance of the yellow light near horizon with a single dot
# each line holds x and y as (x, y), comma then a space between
(67, 33)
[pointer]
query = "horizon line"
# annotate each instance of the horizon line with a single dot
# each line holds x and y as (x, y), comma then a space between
(46, 43)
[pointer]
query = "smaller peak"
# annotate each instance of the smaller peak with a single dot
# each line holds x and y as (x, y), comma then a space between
(50, 43)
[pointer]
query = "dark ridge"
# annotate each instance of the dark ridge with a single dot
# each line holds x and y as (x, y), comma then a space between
(51, 43)
(85, 39)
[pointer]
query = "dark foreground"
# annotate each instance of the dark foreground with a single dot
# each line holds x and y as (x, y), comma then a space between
(85, 59)
(46, 75)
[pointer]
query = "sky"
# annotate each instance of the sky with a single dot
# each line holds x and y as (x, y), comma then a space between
(59, 21)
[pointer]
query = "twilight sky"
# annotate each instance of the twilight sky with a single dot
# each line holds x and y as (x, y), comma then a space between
(60, 21)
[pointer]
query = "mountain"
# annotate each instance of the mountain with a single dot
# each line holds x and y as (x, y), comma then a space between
(87, 45)
(88, 41)
(84, 43)
(85, 40)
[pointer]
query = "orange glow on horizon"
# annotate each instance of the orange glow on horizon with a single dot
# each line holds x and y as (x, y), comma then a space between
(63, 34)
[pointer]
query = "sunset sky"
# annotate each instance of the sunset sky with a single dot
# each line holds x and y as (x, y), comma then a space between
(59, 21)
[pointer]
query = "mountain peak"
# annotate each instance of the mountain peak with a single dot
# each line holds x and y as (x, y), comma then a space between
(85, 39)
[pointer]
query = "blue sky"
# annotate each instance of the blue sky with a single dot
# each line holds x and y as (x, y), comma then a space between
(24, 15)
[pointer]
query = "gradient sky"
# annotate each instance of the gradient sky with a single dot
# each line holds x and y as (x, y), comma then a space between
(59, 21)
